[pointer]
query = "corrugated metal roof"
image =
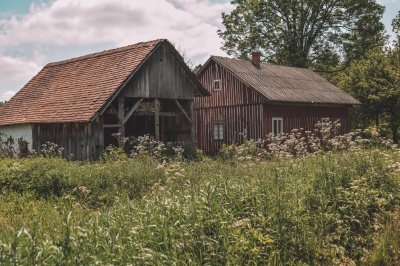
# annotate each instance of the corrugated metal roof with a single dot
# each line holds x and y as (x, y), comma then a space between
(286, 84)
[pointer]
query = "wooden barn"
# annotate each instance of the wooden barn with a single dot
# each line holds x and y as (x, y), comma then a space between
(145, 88)
(257, 98)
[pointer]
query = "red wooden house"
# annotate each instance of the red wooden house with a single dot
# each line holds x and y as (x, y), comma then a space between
(257, 98)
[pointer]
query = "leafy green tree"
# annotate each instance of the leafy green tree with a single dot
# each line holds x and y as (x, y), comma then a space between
(396, 28)
(2, 103)
(197, 68)
(375, 82)
(303, 32)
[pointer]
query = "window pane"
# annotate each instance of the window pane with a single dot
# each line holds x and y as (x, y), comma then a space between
(216, 135)
(217, 85)
(221, 131)
(279, 126)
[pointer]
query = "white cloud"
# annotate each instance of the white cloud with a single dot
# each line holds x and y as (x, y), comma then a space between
(190, 23)
(7, 95)
(16, 72)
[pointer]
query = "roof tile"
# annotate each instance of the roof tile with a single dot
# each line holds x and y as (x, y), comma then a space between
(74, 90)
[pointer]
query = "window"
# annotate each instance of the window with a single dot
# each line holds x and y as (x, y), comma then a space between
(277, 125)
(218, 130)
(23, 147)
(325, 120)
(217, 85)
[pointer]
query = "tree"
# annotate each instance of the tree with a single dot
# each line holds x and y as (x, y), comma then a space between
(396, 28)
(375, 82)
(302, 32)
(2, 103)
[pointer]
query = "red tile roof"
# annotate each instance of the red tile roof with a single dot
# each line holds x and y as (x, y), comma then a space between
(285, 84)
(74, 90)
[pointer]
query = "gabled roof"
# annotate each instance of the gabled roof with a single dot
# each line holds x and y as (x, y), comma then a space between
(75, 90)
(285, 84)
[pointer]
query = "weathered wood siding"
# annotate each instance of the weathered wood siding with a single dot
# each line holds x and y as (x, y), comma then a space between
(243, 110)
(84, 141)
(162, 76)
(296, 117)
(238, 107)
(236, 120)
(233, 92)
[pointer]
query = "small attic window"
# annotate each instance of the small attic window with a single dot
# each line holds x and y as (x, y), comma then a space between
(217, 85)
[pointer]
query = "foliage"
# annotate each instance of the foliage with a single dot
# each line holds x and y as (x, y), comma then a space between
(2, 103)
(50, 150)
(92, 185)
(387, 244)
(7, 146)
(396, 28)
(375, 82)
(197, 68)
(300, 143)
(319, 210)
(147, 146)
(302, 33)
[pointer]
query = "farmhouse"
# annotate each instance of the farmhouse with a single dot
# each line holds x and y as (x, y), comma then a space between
(257, 98)
(145, 88)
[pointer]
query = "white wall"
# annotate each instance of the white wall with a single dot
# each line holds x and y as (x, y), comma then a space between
(16, 132)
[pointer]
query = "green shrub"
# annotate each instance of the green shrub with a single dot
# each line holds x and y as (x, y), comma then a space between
(329, 209)
(90, 184)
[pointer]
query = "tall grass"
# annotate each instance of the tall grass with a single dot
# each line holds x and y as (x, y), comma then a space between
(329, 209)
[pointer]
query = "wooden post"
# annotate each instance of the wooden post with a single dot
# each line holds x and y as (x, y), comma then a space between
(121, 115)
(156, 120)
(193, 127)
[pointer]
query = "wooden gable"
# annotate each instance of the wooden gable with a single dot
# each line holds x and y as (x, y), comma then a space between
(164, 75)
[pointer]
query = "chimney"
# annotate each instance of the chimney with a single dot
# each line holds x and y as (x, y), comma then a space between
(256, 58)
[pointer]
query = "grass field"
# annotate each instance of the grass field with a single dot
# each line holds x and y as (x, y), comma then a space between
(329, 209)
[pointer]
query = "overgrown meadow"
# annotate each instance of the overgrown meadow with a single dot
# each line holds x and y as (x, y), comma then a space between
(329, 207)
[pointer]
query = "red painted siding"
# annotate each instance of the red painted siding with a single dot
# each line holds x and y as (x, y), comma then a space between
(296, 117)
(237, 106)
(233, 91)
(242, 109)
(236, 120)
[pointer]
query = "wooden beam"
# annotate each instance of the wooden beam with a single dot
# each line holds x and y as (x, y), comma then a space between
(146, 113)
(121, 115)
(193, 128)
(184, 112)
(111, 125)
(156, 120)
(133, 109)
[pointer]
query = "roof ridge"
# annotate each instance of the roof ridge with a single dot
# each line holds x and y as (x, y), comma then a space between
(263, 63)
(105, 52)
(279, 76)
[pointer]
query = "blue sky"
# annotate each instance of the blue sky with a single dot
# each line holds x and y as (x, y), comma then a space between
(36, 32)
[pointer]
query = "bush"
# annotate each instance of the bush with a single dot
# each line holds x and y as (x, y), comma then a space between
(300, 143)
(92, 185)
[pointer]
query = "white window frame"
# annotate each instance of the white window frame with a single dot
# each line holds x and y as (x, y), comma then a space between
(218, 130)
(279, 124)
(217, 84)
(325, 120)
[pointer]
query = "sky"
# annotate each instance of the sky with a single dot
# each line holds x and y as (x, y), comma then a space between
(36, 32)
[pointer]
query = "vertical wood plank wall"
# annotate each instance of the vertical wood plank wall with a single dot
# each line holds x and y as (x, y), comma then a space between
(296, 117)
(242, 109)
(238, 107)
(84, 141)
